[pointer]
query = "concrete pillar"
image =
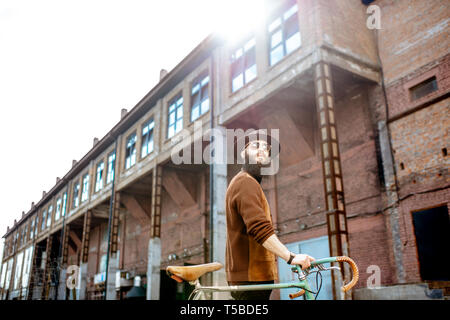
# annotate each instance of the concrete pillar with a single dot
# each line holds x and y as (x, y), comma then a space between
(113, 267)
(81, 292)
(61, 295)
(154, 245)
(153, 268)
(392, 200)
(219, 232)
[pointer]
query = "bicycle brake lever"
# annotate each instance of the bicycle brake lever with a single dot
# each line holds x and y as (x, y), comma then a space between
(331, 268)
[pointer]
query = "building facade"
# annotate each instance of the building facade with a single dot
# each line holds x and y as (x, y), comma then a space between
(362, 116)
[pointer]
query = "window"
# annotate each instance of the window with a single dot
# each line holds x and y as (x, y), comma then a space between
(58, 209)
(25, 234)
(424, 88)
(36, 223)
(175, 116)
(200, 97)
(99, 176)
(18, 271)
(147, 138)
(32, 229)
(130, 152)
(49, 215)
(85, 191)
(243, 65)
(22, 237)
(64, 204)
(111, 165)
(284, 35)
(43, 220)
(76, 192)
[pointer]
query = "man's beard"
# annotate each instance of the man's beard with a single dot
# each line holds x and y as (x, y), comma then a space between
(254, 168)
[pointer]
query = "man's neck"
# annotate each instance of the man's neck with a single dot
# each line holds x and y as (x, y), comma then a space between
(253, 173)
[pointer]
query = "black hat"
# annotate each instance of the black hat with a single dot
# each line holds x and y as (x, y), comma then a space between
(254, 135)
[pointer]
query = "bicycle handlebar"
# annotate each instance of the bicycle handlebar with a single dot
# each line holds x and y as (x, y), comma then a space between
(354, 267)
(355, 272)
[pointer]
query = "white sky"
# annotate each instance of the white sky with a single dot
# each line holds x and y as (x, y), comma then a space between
(67, 68)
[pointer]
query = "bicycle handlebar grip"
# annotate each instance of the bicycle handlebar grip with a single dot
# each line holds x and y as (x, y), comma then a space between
(355, 272)
(297, 294)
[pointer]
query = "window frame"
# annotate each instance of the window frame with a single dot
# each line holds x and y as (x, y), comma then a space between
(85, 188)
(64, 204)
(43, 219)
(199, 82)
(49, 216)
(99, 182)
(58, 211)
(148, 137)
(133, 153)
(174, 101)
(279, 14)
(241, 63)
(31, 234)
(110, 165)
(76, 198)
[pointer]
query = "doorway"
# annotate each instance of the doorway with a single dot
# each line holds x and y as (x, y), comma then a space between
(432, 231)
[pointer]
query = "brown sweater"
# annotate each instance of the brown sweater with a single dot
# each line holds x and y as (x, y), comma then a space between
(249, 224)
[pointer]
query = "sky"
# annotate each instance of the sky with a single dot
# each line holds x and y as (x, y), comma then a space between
(67, 68)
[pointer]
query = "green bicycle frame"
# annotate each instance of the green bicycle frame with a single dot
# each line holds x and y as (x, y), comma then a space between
(302, 284)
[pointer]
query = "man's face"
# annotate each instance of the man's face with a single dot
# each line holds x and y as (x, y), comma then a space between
(258, 152)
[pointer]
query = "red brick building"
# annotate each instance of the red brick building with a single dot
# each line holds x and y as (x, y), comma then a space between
(362, 115)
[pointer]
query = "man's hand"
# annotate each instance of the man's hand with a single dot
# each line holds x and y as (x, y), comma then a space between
(274, 245)
(303, 260)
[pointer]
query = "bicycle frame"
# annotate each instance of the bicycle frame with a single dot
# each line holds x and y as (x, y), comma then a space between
(302, 284)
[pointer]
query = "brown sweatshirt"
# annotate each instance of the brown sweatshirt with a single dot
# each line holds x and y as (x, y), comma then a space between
(249, 224)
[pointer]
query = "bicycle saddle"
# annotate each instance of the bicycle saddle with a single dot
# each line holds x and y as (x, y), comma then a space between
(192, 273)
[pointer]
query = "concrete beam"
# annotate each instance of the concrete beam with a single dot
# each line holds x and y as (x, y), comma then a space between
(75, 238)
(177, 190)
(100, 214)
(135, 209)
(290, 131)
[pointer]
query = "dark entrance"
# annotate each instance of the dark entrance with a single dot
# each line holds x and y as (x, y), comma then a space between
(432, 230)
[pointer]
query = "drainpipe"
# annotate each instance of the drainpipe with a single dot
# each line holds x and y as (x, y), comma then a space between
(211, 167)
(111, 204)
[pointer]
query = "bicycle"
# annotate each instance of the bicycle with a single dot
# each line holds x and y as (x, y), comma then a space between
(192, 274)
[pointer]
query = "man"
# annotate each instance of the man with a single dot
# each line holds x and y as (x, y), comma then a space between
(251, 241)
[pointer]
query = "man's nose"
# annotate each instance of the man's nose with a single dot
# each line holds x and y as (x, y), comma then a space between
(262, 152)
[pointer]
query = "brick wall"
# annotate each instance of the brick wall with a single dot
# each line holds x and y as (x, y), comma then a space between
(300, 190)
(182, 229)
(414, 33)
(398, 93)
(368, 246)
(136, 244)
(418, 140)
(343, 26)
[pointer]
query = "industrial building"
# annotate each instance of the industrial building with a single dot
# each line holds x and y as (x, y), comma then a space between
(363, 120)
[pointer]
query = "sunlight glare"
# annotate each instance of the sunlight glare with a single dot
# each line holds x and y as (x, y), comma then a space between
(237, 18)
